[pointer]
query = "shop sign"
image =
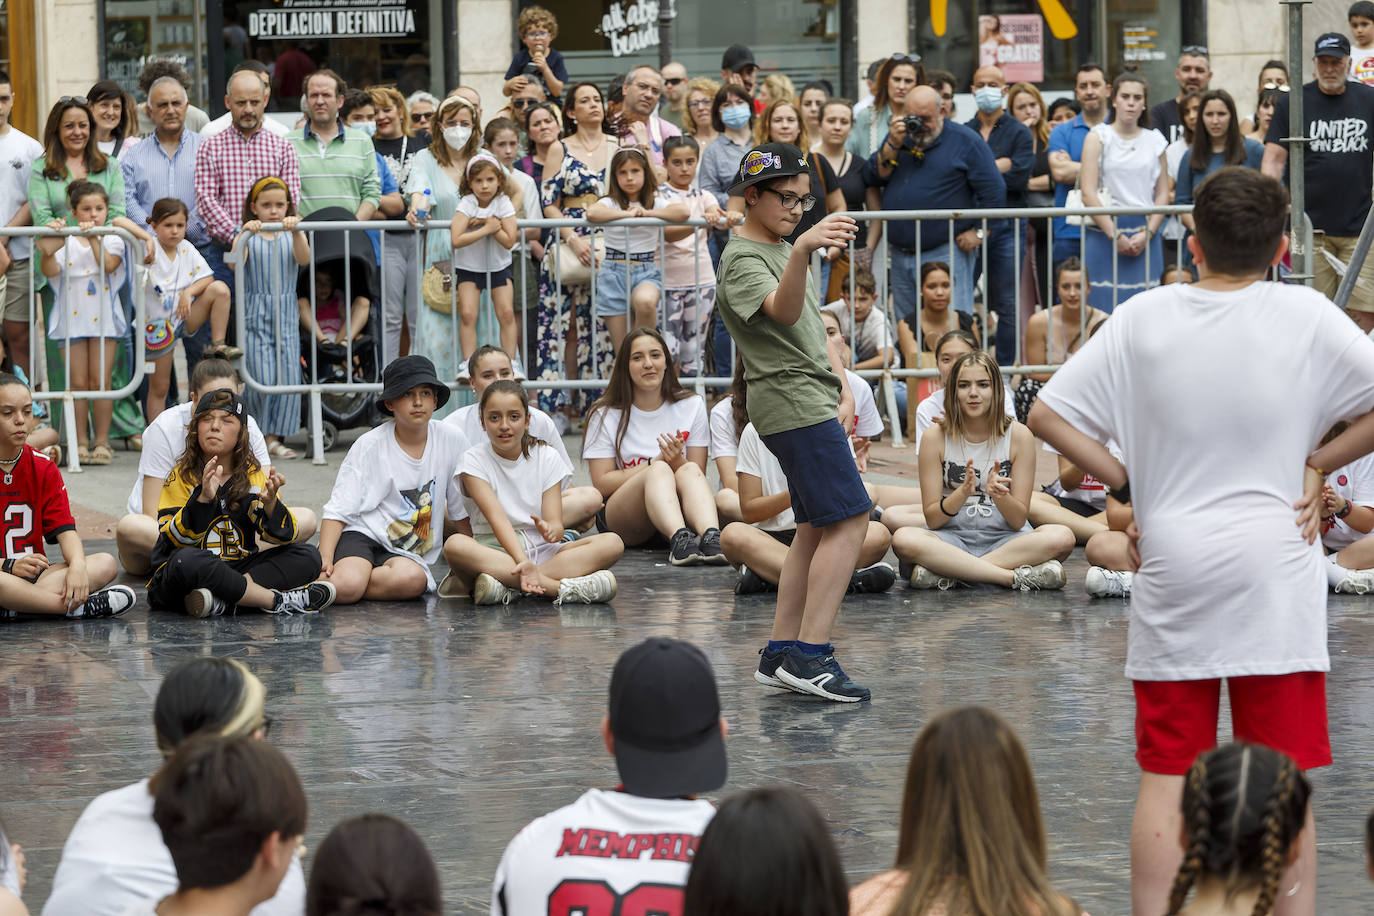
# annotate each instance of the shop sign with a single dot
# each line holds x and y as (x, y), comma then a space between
(303, 19)
(1140, 43)
(1015, 44)
(630, 26)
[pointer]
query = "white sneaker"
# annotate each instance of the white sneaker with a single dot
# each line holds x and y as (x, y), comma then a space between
(200, 603)
(1357, 582)
(487, 590)
(463, 371)
(109, 602)
(1107, 583)
(1049, 574)
(450, 587)
(924, 578)
(596, 588)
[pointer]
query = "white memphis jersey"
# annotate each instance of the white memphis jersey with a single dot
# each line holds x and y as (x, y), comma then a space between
(606, 853)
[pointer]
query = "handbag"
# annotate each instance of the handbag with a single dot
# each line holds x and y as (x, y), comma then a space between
(436, 287)
(159, 337)
(1074, 200)
(570, 271)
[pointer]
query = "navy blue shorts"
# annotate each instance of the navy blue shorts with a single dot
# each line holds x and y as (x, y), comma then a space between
(821, 476)
(499, 278)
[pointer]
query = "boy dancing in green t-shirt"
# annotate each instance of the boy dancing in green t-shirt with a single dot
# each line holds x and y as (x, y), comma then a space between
(801, 406)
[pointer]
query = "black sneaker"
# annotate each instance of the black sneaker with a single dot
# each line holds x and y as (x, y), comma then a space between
(708, 548)
(683, 549)
(311, 599)
(108, 602)
(766, 674)
(871, 580)
(819, 675)
(751, 583)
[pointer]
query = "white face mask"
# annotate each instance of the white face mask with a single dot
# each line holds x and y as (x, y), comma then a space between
(367, 127)
(457, 137)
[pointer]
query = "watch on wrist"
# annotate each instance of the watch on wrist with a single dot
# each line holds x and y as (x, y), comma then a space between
(1122, 494)
(980, 233)
(1346, 510)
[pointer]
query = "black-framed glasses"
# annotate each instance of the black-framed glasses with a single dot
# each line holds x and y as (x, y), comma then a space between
(74, 99)
(1198, 50)
(419, 117)
(790, 201)
(1279, 87)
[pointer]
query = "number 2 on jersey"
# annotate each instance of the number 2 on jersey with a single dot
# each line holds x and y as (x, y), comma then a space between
(16, 532)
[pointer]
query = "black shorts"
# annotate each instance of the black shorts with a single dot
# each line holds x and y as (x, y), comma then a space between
(655, 541)
(783, 537)
(356, 544)
(484, 280)
(1076, 506)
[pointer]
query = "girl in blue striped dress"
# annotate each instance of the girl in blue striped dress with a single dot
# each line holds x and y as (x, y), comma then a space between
(272, 340)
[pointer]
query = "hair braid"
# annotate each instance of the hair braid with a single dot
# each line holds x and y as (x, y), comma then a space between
(1198, 817)
(1273, 846)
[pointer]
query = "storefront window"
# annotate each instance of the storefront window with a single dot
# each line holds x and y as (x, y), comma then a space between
(797, 37)
(139, 30)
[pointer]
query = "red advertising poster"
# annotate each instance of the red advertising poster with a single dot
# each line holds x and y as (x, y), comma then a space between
(1016, 43)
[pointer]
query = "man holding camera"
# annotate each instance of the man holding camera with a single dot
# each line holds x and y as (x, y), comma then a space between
(928, 163)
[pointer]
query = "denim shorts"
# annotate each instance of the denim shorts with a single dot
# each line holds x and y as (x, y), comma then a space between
(822, 479)
(612, 293)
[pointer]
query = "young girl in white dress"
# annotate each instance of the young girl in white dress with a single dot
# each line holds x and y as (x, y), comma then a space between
(513, 487)
(483, 231)
(87, 318)
(977, 470)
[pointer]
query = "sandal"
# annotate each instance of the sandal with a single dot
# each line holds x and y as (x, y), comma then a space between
(281, 450)
(134, 443)
(102, 454)
(221, 350)
(83, 454)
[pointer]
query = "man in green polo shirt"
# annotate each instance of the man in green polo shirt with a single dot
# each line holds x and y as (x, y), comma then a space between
(338, 166)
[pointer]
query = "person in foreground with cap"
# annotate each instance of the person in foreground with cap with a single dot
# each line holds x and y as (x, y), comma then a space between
(1337, 162)
(629, 849)
(737, 68)
(803, 409)
(378, 537)
(215, 505)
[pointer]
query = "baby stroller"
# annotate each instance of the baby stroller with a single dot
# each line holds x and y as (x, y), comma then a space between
(353, 273)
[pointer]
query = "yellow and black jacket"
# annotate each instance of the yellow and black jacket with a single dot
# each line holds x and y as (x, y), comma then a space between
(231, 533)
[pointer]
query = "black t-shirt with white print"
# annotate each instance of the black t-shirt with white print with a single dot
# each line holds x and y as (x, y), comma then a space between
(1338, 161)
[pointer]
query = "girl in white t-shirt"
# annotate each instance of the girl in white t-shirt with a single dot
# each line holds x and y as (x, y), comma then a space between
(483, 231)
(977, 470)
(728, 419)
(492, 364)
(515, 483)
(629, 278)
(180, 293)
(645, 444)
(1347, 520)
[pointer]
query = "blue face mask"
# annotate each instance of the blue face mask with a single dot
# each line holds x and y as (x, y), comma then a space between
(734, 116)
(989, 98)
(367, 127)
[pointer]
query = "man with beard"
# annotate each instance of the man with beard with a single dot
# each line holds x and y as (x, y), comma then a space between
(1193, 74)
(928, 163)
(1066, 149)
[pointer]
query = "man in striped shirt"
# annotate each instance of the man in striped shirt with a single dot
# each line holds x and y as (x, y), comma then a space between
(338, 164)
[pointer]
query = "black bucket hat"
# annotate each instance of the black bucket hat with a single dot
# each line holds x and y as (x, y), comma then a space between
(766, 162)
(406, 373)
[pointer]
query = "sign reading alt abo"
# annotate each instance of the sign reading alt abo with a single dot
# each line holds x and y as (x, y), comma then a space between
(333, 19)
(630, 26)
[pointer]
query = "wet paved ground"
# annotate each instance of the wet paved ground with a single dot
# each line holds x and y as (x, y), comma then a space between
(468, 722)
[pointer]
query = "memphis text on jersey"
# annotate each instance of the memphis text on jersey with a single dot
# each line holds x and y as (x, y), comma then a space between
(608, 844)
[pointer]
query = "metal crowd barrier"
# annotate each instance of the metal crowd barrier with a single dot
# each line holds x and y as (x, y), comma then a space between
(1006, 219)
(38, 330)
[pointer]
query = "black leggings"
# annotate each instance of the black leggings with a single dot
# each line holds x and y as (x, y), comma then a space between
(288, 566)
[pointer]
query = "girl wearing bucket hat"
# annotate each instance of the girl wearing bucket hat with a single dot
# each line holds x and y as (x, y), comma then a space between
(381, 531)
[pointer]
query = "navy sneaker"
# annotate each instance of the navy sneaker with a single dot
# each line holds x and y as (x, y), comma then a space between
(768, 667)
(708, 549)
(871, 580)
(819, 675)
(683, 549)
(751, 583)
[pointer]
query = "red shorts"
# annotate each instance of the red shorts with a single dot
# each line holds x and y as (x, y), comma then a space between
(1177, 720)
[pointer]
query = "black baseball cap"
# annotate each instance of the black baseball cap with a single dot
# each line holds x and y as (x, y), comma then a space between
(406, 373)
(737, 58)
(1332, 44)
(665, 718)
(224, 399)
(768, 161)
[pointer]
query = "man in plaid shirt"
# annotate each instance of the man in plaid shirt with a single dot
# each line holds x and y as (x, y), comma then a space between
(228, 164)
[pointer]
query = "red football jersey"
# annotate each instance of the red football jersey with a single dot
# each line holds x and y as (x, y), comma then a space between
(33, 505)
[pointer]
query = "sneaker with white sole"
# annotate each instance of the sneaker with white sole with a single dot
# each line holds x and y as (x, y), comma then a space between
(310, 599)
(487, 590)
(682, 550)
(594, 588)
(200, 603)
(819, 675)
(108, 602)
(1047, 575)
(708, 548)
(871, 580)
(767, 671)
(1101, 582)
(924, 578)
(1356, 582)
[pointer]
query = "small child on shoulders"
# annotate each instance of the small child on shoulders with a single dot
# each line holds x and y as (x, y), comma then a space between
(537, 61)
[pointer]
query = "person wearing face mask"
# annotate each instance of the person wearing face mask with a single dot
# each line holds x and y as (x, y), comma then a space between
(431, 189)
(732, 115)
(359, 112)
(1013, 150)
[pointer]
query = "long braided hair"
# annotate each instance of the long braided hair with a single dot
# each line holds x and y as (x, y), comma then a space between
(1243, 805)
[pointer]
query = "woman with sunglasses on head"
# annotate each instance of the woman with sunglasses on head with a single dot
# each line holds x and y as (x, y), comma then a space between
(898, 75)
(1273, 83)
(115, 855)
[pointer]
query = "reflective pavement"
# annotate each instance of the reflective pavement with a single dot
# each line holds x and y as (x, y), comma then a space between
(468, 722)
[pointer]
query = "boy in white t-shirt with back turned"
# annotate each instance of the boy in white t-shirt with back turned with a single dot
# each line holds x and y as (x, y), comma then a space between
(397, 496)
(1184, 379)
